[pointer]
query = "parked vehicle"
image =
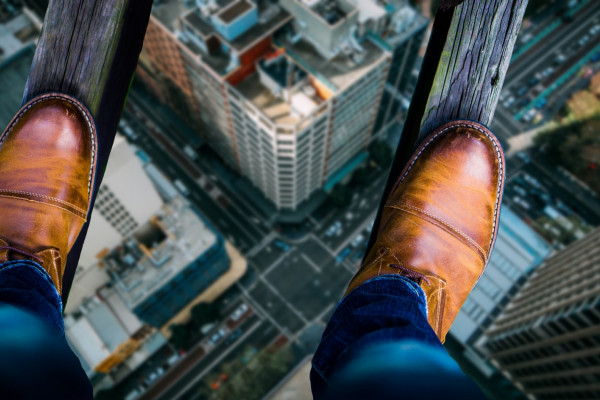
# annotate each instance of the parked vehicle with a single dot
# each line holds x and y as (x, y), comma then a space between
(238, 312)
(357, 240)
(217, 336)
(343, 255)
(333, 229)
(235, 335)
(282, 245)
(190, 152)
(181, 187)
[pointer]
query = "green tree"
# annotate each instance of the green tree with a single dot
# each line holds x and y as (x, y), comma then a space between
(361, 176)
(204, 313)
(181, 336)
(255, 380)
(340, 196)
(381, 154)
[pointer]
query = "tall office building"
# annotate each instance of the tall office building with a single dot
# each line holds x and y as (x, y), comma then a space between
(517, 251)
(404, 42)
(167, 263)
(126, 199)
(287, 93)
(547, 340)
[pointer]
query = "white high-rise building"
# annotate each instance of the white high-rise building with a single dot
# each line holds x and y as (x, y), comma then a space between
(287, 93)
(126, 199)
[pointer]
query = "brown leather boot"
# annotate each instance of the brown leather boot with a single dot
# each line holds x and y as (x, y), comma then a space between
(47, 170)
(440, 220)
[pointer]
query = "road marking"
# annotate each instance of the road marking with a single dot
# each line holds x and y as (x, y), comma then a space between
(276, 263)
(261, 311)
(567, 38)
(310, 262)
(284, 300)
(355, 233)
(322, 245)
(263, 243)
(558, 82)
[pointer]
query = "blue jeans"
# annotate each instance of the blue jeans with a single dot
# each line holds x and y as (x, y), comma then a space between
(379, 345)
(35, 359)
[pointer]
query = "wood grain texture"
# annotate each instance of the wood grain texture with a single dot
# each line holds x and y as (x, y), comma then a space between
(462, 73)
(89, 49)
(473, 63)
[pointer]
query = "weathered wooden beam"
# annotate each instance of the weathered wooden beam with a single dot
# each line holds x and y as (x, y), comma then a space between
(463, 70)
(89, 49)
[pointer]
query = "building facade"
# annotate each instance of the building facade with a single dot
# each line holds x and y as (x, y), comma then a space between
(167, 263)
(404, 42)
(286, 93)
(517, 251)
(126, 200)
(547, 340)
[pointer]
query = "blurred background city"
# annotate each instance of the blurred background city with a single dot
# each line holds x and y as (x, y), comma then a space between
(246, 175)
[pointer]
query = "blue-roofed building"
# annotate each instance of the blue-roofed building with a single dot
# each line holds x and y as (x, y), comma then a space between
(518, 250)
(167, 263)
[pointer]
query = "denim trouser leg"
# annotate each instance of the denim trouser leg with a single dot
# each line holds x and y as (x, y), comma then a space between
(35, 359)
(379, 345)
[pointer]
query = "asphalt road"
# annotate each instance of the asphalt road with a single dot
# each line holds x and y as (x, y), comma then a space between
(288, 290)
(526, 69)
(293, 286)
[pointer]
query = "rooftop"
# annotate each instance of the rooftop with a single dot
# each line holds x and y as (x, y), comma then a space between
(158, 251)
(405, 22)
(330, 11)
(176, 14)
(16, 34)
(235, 10)
(281, 90)
(339, 72)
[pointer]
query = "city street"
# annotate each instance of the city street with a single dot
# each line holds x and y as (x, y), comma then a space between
(545, 73)
(290, 286)
(293, 285)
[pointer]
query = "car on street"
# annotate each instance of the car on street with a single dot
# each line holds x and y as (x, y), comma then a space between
(519, 190)
(541, 104)
(181, 187)
(217, 336)
(235, 335)
(530, 115)
(521, 202)
(127, 131)
(523, 103)
(522, 90)
(369, 226)
(282, 245)
(547, 72)
(357, 240)
(239, 312)
(509, 102)
(532, 181)
(333, 229)
(584, 40)
(190, 152)
(343, 255)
